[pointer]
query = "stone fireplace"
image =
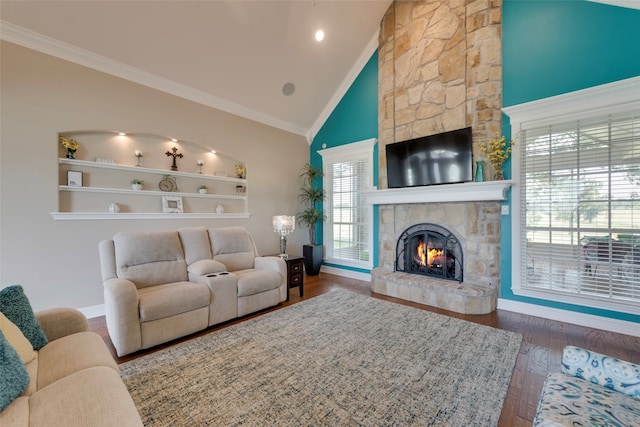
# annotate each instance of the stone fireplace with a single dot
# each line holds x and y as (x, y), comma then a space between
(471, 232)
(440, 69)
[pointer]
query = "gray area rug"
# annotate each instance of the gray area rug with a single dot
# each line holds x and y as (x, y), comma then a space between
(340, 359)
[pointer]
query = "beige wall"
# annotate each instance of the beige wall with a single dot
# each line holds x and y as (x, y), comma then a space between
(57, 261)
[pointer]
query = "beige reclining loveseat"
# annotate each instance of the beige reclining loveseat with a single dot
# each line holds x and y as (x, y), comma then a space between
(159, 286)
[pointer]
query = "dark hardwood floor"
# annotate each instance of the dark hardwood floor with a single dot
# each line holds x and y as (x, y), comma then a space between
(540, 353)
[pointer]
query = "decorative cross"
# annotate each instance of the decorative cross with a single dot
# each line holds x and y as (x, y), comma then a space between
(174, 166)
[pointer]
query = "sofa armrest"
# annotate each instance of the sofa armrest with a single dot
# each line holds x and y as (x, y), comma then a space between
(607, 371)
(59, 322)
(107, 252)
(122, 315)
(272, 263)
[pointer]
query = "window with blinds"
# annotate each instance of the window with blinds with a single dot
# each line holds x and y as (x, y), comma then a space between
(348, 170)
(348, 216)
(580, 208)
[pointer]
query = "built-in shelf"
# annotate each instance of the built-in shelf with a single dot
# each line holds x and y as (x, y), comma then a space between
(223, 190)
(72, 216)
(64, 161)
(462, 192)
(149, 192)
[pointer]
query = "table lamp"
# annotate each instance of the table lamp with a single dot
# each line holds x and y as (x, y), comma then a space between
(283, 225)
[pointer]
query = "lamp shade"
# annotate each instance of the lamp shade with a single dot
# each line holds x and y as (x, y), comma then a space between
(284, 224)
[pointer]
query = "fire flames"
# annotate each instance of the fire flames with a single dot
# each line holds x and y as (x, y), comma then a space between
(431, 256)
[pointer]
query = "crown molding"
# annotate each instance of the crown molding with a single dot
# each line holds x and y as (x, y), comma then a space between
(609, 98)
(631, 4)
(362, 60)
(38, 42)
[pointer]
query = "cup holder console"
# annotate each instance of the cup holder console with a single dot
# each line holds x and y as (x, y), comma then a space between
(218, 274)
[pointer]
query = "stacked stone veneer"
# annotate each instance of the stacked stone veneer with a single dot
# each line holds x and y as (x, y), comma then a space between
(477, 227)
(440, 69)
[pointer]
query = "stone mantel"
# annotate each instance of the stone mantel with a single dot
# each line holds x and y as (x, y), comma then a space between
(462, 192)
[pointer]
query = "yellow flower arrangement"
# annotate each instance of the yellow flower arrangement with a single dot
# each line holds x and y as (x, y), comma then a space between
(71, 146)
(497, 152)
(68, 143)
(241, 170)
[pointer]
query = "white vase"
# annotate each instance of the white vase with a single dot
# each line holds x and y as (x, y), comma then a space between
(219, 209)
(114, 208)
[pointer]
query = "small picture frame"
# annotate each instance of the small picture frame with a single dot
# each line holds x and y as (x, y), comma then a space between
(172, 204)
(74, 178)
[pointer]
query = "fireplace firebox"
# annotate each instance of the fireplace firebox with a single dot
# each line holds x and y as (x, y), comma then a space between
(429, 250)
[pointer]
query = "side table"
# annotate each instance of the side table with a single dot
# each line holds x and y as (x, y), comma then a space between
(295, 273)
(295, 276)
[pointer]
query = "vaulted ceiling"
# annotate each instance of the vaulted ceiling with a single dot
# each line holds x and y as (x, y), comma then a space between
(239, 56)
(233, 55)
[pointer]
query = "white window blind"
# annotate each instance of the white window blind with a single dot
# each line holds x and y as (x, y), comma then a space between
(348, 170)
(349, 218)
(580, 208)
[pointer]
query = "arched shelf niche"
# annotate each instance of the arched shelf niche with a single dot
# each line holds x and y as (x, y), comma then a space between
(95, 182)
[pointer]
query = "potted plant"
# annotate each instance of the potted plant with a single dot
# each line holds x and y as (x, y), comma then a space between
(136, 184)
(202, 189)
(311, 197)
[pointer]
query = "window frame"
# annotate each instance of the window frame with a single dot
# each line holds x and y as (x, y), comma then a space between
(609, 99)
(361, 150)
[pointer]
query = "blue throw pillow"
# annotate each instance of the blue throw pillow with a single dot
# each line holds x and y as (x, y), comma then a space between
(14, 377)
(15, 305)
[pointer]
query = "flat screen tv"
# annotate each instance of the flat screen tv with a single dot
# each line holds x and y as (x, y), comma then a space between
(444, 158)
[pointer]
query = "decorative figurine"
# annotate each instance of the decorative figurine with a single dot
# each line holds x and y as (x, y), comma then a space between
(174, 166)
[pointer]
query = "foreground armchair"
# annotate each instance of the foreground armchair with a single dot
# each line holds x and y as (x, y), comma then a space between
(72, 378)
(592, 390)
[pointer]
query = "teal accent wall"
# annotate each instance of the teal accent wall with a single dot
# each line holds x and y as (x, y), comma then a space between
(555, 47)
(354, 119)
(549, 48)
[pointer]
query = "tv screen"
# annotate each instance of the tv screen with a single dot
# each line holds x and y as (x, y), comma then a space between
(444, 158)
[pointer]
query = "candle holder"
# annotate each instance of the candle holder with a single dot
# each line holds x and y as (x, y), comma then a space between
(138, 155)
(200, 163)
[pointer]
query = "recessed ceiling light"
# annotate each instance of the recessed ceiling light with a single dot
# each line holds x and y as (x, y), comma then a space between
(319, 35)
(174, 140)
(121, 133)
(213, 151)
(288, 88)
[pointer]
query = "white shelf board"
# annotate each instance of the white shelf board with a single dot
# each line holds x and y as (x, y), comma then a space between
(74, 216)
(148, 192)
(113, 166)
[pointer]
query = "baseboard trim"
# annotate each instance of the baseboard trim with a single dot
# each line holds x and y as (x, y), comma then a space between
(581, 319)
(93, 311)
(366, 277)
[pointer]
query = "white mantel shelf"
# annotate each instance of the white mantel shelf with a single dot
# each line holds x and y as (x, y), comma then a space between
(463, 192)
